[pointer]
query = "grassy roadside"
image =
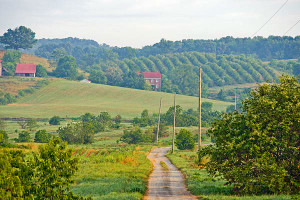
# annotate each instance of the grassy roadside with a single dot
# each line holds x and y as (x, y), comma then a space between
(113, 173)
(204, 186)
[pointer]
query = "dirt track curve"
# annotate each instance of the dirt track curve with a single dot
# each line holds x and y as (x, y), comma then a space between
(165, 184)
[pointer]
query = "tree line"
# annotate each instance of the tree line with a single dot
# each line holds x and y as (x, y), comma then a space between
(273, 47)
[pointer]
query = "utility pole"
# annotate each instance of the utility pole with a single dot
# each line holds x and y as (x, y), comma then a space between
(199, 139)
(174, 123)
(158, 120)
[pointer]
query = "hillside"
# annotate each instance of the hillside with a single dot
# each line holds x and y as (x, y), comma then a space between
(72, 99)
(180, 71)
(32, 59)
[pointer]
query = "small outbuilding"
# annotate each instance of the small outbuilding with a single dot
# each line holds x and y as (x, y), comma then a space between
(27, 70)
(85, 81)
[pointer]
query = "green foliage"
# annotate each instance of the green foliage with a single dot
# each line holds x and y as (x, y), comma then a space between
(42, 136)
(66, 68)
(78, 133)
(206, 106)
(10, 60)
(46, 176)
(24, 136)
(55, 169)
(97, 76)
(19, 38)
(55, 120)
(257, 150)
(189, 117)
(221, 95)
(133, 136)
(3, 137)
(296, 69)
(145, 119)
(184, 140)
(163, 130)
(41, 71)
(6, 99)
(136, 135)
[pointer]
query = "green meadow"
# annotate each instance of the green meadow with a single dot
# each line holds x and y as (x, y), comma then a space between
(72, 99)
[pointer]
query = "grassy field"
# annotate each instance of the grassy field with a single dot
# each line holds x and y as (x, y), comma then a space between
(72, 99)
(13, 84)
(201, 184)
(108, 169)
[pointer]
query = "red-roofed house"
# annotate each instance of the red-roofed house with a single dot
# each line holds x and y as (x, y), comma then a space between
(27, 70)
(154, 79)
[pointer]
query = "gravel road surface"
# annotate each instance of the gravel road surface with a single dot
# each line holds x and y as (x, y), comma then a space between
(165, 183)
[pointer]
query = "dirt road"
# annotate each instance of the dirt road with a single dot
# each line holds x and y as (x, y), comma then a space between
(165, 183)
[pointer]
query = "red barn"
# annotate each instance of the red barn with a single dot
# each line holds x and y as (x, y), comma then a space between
(154, 79)
(27, 70)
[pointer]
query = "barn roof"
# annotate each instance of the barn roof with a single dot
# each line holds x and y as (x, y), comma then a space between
(152, 75)
(26, 68)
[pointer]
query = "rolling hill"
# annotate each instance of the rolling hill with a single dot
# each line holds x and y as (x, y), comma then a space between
(72, 99)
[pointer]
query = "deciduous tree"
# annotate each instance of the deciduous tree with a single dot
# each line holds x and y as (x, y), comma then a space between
(19, 38)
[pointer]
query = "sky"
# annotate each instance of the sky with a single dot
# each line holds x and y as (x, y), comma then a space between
(138, 23)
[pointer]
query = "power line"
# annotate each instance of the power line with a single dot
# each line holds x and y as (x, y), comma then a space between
(291, 27)
(270, 18)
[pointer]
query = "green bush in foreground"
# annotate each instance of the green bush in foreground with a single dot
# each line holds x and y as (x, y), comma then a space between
(258, 150)
(184, 140)
(46, 176)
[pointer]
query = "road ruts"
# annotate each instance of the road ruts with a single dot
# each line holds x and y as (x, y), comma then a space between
(165, 184)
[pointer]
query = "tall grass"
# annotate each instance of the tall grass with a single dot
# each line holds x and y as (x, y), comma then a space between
(113, 173)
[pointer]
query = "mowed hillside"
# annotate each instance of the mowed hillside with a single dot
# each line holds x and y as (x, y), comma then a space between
(72, 99)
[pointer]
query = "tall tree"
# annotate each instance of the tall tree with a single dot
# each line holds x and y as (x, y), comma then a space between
(19, 38)
(257, 150)
(66, 68)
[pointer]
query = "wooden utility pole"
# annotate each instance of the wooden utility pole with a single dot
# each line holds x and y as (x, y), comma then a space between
(158, 120)
(200, 134)
(174, 123)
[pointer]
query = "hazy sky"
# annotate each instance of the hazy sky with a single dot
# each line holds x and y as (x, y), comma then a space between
(138, 23)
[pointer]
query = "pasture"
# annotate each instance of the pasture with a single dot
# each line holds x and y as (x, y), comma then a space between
(71, 99)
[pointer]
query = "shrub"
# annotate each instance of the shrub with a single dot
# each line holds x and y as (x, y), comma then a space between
(184, 140)
(133, 136)
(78, 133)
(55, 120)
(40, 71)
(24, 136)
(47, 176)
(42, 136)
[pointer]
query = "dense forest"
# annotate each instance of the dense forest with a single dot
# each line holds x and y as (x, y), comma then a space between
(273, 47)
